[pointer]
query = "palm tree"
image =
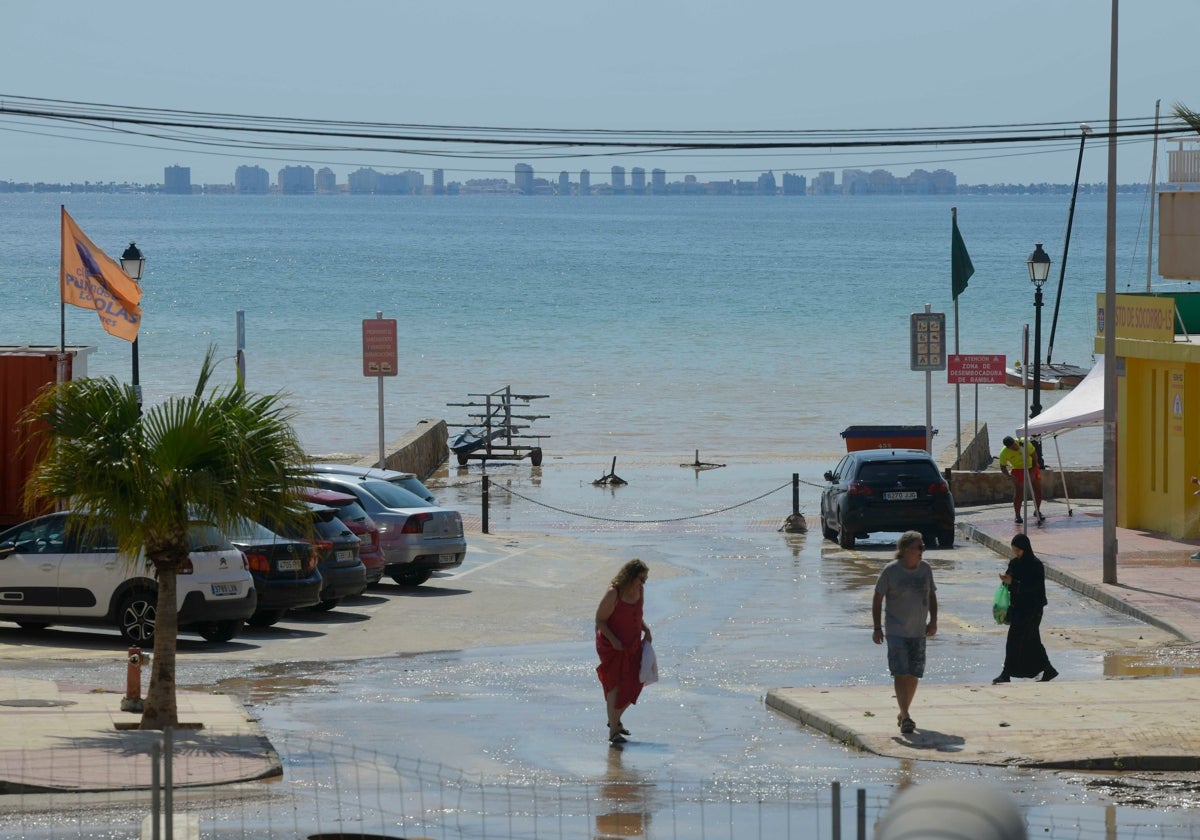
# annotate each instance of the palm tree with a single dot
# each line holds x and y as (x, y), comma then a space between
(1187, 115)
(146, 477)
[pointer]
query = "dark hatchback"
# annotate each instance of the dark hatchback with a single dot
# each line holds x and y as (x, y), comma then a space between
(336, 547)
(355, 518)
(887, 490)
(284, 570)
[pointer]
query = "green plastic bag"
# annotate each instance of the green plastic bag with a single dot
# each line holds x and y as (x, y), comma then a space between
(1000, 604)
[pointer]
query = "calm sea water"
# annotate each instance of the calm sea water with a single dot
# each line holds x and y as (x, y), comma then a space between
(746, 328)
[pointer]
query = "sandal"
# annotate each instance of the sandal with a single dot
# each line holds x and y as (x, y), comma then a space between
(908, 726)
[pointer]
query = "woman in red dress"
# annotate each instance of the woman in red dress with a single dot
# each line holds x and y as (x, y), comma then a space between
(620, 631)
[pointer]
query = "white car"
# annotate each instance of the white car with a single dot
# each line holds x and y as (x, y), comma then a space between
(52, 574)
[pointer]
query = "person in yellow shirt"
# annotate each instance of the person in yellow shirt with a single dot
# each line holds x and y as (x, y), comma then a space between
(1017, 457)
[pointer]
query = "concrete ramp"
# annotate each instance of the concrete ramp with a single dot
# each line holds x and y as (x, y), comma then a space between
(1113, 724)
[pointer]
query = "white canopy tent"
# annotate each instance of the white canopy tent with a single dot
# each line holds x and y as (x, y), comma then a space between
(1084, 406)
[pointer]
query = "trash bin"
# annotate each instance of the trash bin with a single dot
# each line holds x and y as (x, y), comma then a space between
(884, 437)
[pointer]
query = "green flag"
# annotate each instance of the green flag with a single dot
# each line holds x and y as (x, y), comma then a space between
(960, 261)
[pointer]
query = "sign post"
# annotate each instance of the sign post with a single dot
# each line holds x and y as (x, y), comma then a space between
(928, 353)
(379, 360)
(976, 369)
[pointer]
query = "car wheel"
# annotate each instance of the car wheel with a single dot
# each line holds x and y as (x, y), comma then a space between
(219, 631)
(462, 460)
(535, 456)
(265, 618)
(930, 538)
(845, 538)
(410, 578)
(946, 538)
(829, 533)
(33, 625)
(325, 606)
(136, 617)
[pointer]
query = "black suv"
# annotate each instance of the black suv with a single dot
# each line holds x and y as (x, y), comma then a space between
(887, 490)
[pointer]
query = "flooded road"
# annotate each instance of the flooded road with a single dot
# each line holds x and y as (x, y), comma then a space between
(489, 672)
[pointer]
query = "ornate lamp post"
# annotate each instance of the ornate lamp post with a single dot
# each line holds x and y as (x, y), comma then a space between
(133, 262)
(1039, 269)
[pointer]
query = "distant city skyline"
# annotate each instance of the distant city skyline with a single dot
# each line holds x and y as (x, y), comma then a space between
(762, 67)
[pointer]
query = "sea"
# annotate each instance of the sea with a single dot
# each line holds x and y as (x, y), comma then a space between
(740, 328)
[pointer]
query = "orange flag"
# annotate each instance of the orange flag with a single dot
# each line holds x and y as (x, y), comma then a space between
(91, 280)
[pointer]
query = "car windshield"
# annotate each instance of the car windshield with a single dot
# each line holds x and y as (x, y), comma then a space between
(389, 495)
(247, 530)
(898, 472)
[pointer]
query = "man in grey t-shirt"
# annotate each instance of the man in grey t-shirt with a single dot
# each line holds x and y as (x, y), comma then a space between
(906, 584)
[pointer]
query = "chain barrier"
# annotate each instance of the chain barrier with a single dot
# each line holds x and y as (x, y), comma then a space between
(641, 521)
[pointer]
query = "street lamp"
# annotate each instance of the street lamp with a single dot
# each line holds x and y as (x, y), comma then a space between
(132, 263)
(1039, 269)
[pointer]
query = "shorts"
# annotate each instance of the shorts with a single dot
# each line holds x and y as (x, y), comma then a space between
(906, 656)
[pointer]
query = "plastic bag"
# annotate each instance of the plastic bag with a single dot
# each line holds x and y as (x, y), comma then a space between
(1000, 604)
(649, 670)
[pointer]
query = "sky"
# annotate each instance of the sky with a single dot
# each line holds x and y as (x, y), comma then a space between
(618, 65)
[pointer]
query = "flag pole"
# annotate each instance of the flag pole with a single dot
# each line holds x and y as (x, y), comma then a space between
(957, 386)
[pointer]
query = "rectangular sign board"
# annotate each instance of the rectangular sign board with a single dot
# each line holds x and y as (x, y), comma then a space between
(928, 341)
(379, 346)
(967, 369)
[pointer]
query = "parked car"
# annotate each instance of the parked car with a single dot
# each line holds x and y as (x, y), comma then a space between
(887, 490)
(355, 518)
(401, 479)
(284, 570)
(336, 547)
(417, 538)
(54, 572)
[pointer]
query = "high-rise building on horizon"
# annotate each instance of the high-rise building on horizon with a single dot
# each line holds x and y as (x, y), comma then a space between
(177, 180)
(523, 175)
(326, 181)
(297, 180)
(618, 180)
(439, 182)
(564, 183)
(585, 182)
(251, 180)
(658, 181)
(637, 180)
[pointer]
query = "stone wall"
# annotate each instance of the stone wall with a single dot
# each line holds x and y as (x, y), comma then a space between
(420, 452)
(980, 482)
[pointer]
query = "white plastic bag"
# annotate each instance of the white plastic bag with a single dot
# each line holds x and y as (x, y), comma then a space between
(649, 670)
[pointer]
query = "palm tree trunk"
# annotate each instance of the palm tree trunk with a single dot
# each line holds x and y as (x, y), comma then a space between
(160, 709)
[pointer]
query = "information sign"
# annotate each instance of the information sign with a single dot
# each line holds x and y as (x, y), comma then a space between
(965, 369)
(928, 341)
(379, 347)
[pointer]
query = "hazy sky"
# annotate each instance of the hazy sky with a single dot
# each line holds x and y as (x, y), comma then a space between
(651, 64)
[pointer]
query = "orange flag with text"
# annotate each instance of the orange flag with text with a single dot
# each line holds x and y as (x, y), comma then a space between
(92, 280)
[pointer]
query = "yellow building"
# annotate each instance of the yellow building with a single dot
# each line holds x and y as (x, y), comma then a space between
(1158, 409)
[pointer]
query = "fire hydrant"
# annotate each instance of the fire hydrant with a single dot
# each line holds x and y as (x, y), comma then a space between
(134, 664)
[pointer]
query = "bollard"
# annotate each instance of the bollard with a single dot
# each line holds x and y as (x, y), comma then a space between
(485, 504)
(795, 494)
(132, 701)
(836, 804)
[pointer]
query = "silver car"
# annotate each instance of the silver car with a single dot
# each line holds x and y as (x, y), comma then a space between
(401, 479)
(416, 537)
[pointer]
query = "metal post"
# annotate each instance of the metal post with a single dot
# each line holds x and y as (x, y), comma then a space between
(379, 379)
(862, 814)
(168, 782)
(928, 401)
(795, 493)
(484, 515)
(155, 792)
(137, 385)
(836, 827)
(1025, 440)
(241, 346)
(1110, 327)
(1036, 409)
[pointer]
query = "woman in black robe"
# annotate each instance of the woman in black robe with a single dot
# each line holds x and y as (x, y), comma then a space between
(1024, 654)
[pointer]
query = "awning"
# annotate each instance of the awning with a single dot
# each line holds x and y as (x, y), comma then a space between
(1084, 406)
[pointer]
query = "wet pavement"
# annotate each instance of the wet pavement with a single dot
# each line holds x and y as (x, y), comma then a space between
(490, 671)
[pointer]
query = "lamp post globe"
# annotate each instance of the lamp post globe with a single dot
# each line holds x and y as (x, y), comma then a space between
(1039, 269)
(133, 262)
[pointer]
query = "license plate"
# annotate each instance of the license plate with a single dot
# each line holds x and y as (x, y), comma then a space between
(288, 564)
(900, 495)
(345, 556)
(224, 589)
(446, 559)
